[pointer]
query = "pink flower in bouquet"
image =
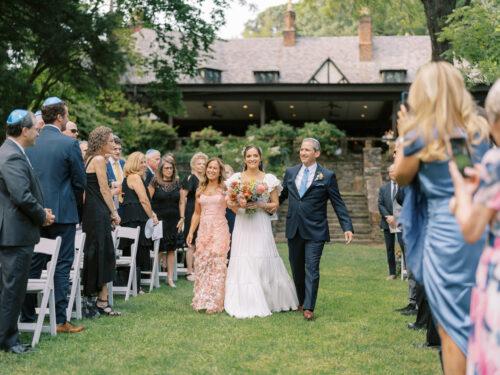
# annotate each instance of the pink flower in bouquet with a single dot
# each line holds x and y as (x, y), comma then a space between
(260, 189)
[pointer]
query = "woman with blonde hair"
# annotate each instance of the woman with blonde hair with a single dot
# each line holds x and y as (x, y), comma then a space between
(136, 207)
(440, 108)
(212, 242)
(477, 206)
(99, 214)
(188, 195)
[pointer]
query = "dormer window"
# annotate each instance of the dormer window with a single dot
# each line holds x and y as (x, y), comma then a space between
(393, 76)
(267, 76)
(211, 75)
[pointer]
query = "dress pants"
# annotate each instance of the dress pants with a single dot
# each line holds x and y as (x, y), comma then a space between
(61, 276)
(304, 256)
(412, 288)
(389, 245)
(15, 265)
(424, 317)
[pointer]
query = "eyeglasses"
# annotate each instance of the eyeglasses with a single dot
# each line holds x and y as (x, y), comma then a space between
(74, 131)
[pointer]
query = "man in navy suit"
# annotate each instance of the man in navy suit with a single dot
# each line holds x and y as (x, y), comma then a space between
(57, 161)
(308, 187)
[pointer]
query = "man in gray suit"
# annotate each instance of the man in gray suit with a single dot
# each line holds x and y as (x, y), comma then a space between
(21, 215)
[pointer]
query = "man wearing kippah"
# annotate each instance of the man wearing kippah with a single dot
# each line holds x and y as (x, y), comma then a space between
(58, 163)
(21, 215)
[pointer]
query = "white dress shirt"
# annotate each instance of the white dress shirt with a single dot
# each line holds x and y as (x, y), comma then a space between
(312, 172)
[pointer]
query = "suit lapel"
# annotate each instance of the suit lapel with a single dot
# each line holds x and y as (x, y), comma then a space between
(294, 177)
(319, 170)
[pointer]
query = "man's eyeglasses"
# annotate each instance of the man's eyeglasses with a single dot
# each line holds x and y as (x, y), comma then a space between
(74, 131)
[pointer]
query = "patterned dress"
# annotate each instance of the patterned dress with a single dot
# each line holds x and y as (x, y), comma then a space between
(212, 246)
(484, 343)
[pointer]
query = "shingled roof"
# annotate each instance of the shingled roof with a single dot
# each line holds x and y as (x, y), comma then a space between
(238, 59)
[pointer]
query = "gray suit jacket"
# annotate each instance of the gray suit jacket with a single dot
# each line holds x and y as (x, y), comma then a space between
(21, 201)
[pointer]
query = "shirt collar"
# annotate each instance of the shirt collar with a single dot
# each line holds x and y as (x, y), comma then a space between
(18, 145)
(311, 167)
(53, 126)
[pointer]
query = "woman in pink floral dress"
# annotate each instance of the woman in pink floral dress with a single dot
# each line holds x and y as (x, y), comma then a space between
(474, 215)
(212, 242)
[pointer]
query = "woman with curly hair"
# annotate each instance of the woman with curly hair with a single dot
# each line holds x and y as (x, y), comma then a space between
(212, 242)
(99, 214)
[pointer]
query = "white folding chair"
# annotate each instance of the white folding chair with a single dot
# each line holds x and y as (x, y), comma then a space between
(154, 279)
(125, 261)
(75, 296)
(44, 286)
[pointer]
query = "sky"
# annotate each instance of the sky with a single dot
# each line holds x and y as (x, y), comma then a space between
(237, 15)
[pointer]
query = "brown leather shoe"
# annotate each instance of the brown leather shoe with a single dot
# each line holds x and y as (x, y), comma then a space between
(69, 328)
(300, 308)
(308, 315)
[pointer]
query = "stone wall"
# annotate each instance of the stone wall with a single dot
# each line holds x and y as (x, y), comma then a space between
(372, 175)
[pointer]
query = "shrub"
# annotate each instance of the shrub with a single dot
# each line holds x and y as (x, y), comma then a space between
(326, 133)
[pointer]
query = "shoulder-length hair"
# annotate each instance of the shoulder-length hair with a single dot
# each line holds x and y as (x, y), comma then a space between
(439, 104)
(97, 140)
(198, 155)
(133, 164)
(204, 181)
(158, 178)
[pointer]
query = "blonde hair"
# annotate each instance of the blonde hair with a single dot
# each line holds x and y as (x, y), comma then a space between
(198, 155)
(439, 104)
(133, 164)
(492, 103)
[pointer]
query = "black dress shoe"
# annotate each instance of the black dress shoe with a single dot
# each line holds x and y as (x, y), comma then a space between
(410, 306)
(19, 349)
(415, 326)
(409, 312)
(426, 345)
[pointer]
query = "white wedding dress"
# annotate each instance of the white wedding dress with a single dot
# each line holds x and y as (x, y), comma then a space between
(257, 282)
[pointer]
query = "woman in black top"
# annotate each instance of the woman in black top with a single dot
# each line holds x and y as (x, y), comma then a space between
(99, 214)
(136, 208)
(188, 194)
(165, 192)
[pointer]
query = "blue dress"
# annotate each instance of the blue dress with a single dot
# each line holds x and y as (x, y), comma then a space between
(448, 263)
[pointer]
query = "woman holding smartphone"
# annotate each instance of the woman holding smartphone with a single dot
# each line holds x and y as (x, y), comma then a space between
(440, 109)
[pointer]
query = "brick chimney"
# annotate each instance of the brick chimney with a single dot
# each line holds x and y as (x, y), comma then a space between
(289, 31)
(365, 37)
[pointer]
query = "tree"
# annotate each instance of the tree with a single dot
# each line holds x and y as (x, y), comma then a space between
(473, 33)
(327, 18)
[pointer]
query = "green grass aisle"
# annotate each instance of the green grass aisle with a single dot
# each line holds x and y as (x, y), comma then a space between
(356, 332)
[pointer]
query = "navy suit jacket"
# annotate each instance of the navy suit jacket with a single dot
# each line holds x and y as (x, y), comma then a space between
(21, 202)
(110, 172)
(385, 204)
(58, 163)
(308, 215)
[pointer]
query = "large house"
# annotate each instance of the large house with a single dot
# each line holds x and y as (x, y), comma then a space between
(355, 82)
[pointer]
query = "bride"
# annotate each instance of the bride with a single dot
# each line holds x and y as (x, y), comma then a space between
(257, 282)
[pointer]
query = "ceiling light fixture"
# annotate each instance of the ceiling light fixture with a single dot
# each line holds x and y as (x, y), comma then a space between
(292, 106)
(209, 106)
(363, 115)
(294, 115)
(250, 115)
(365, 106)
(245, 106)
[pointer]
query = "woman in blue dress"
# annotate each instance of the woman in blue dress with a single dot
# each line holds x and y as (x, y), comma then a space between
(440, 109)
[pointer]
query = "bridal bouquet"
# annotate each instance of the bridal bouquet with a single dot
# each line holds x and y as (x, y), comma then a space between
(248, 192)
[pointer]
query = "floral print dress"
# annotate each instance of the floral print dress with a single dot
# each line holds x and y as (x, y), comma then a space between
(212, 246)
(484, 343)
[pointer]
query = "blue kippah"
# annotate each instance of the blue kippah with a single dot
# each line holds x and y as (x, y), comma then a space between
(52, 100)
(16, 116)
(38, 113)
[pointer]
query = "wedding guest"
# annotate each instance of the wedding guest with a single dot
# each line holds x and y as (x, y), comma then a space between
(440, 108)
(114, 170)
(84, 146)
(39, 123)
(153, 159)
(188, 194)
(386, 200)
(136, 208)
(21, 204)
(99, 214)
(230, 215)
(165, 192)
(71, 130)
(475, 214)
(212, 242)
(57, 161)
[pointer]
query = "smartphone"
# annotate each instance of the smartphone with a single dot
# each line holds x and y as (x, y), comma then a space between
(461, 154)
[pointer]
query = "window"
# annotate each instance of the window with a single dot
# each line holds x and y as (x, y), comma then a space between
(393, 76)
(267, 77)
(211, 75)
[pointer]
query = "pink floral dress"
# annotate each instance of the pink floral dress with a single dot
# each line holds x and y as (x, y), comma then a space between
(212, 246)
(484, 343)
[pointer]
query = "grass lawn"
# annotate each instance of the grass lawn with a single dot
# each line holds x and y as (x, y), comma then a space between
(355, 332)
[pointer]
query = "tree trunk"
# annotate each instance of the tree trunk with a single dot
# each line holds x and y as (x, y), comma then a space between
(436, 12)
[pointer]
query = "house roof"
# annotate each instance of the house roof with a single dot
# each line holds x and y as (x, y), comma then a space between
(239, 58)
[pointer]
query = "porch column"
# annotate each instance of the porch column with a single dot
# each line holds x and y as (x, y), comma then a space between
(394, 116)
(262, 112)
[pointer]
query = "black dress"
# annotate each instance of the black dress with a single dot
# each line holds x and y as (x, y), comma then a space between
(190, 183)
(134, 216)
(165, 204)
(99, 252)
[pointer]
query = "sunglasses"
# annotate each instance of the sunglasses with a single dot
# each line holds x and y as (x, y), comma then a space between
(74, 131)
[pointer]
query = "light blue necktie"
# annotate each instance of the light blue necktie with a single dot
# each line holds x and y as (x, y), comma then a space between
(303, 183)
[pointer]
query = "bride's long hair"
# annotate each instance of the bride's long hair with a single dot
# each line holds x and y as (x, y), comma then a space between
(259, 151)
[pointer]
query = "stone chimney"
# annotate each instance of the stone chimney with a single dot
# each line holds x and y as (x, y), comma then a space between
(289, 31)
(365, 37)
